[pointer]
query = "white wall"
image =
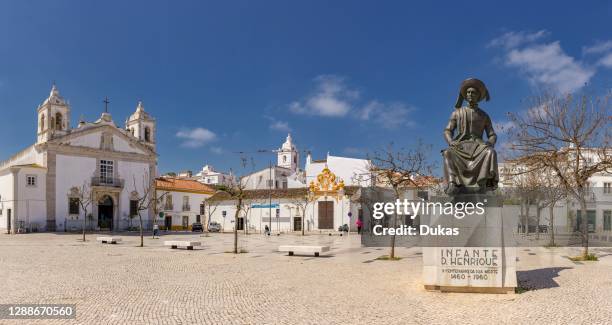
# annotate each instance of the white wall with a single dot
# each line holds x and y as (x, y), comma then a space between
(32, 203)
(257, 218)
(91, 140)
(177, 213)
(6, 196)
(120, 144)
(71, 171)
(346, 169)
(259, 179)
(130, 171)
(27, 156)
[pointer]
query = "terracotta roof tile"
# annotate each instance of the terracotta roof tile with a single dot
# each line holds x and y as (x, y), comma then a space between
(187, 185)
(275, 193)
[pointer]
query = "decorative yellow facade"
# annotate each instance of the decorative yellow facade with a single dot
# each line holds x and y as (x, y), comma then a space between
(327, 184)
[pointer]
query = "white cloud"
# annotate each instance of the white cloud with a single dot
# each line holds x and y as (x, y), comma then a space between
(544, 64)
(217, 150)
(390, 115)
(606, 60)
(549, 65)
(514, 39)
(599, 47)
(280, 126)
(331, 98)
(196, 137)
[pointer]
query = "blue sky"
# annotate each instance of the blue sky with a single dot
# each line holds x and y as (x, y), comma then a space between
(346, 77)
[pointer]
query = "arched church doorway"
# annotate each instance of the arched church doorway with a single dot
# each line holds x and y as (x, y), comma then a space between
(105, 212)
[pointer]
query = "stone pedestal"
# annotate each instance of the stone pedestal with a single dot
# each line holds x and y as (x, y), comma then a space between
(481, 259)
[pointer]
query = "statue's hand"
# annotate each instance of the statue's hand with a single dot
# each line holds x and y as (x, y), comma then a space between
(490, 145)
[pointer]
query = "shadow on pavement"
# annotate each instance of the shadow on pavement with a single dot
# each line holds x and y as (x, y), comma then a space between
(539, 278)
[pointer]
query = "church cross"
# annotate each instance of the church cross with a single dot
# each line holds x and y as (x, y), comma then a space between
(106, 101)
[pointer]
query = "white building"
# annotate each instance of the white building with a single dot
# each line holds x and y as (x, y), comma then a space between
(353, 171)
(324, 206)
(567, 211)
(208, 175)
(182, 202)
(288, 156)
(40, 184)
(287, 174)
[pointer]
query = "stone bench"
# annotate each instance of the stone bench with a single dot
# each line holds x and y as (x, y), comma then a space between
(108, 239)
(306, 250)
(182, 243)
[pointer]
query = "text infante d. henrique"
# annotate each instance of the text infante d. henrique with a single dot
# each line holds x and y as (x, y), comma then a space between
(469, 257)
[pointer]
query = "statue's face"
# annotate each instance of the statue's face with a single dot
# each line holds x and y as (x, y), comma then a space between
(472, 95)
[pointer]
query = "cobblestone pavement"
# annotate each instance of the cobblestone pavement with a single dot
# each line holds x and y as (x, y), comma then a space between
(126, 284)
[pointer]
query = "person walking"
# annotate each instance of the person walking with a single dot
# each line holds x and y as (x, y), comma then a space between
(359, 225)
(155, 230)
(267, 231)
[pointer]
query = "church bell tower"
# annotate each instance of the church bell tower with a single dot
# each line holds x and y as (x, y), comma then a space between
(288, 155)
(53, 117)
(142, 126)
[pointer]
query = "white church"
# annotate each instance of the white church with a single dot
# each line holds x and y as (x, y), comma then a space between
(40, 184)
(321, 197)
(288, 174)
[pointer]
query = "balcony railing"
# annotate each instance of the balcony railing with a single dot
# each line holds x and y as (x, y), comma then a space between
(186, 207)
(107, 181)
(168, 207)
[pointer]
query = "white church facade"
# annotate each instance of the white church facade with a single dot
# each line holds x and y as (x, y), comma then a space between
(321, 197)
(39, 186)
(288, 174)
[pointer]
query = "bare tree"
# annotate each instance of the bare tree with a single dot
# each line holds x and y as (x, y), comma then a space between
(400, 169)
(301, 203)
(210, 206)
(147, 199)
(85, 199)
(525, 186)
(237, 192)
(246, 207)
(553, 192)
(570, 136)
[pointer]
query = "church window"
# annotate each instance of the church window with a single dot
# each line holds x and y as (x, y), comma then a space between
(132, 130)
(295, 159)
(284, 159)
(106, 171)
(58, 121)
(73, 206)
(147, 135)
(42, 122)
(31, 180)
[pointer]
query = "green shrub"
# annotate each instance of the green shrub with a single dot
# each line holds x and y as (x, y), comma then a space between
(387, 258)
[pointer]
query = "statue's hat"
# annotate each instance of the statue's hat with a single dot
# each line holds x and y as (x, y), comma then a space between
(472, 83)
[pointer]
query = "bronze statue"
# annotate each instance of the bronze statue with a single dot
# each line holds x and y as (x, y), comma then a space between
(470, 163)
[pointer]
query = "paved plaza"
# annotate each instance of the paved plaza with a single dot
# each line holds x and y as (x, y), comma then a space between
(126, 284)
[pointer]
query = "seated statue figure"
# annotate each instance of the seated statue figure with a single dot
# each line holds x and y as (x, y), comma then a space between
(470, 163)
